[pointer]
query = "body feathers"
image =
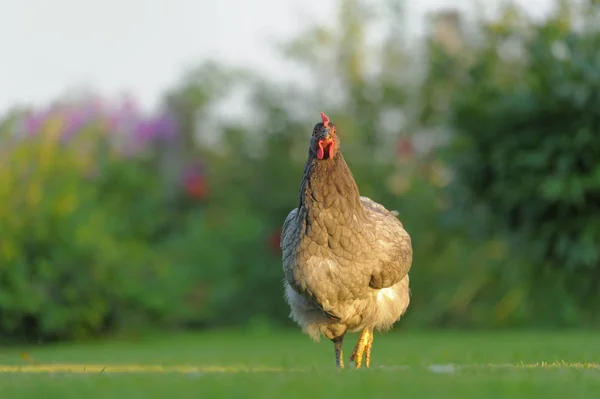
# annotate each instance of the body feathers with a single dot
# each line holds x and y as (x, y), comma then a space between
(346, 258)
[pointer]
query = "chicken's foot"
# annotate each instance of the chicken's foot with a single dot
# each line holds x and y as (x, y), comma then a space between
(365, 340)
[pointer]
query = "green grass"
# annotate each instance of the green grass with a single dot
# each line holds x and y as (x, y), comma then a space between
(288, 365)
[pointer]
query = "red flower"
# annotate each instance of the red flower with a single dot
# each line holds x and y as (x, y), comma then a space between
(195, 187)
(195, 182)
(274, 241)
(405, 147)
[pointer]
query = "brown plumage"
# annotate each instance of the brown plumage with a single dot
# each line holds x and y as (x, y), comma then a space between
(346, 258)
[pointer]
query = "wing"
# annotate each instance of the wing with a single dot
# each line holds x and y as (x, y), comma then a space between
(392, 245)
(373, 206)
(290, 235)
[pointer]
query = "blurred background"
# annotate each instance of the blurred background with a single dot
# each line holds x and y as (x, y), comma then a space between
(150, 151)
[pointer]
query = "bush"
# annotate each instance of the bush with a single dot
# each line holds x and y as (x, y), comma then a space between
(528, 149)
(81, 226)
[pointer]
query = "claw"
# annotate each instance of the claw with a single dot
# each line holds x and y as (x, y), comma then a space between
(363, 347)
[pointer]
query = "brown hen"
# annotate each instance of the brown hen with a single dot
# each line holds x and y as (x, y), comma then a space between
(346, 258)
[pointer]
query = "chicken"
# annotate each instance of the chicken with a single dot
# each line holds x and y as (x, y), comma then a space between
(345, 257)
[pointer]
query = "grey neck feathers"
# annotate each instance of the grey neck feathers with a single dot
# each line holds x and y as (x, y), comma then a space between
(326, 182)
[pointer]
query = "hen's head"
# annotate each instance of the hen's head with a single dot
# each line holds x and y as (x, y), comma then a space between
(324, 142)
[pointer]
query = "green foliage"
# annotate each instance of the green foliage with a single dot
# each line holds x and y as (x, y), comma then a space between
(527, 148)
(77, 239)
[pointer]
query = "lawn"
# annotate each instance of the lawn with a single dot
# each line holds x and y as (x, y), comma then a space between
(288, 365)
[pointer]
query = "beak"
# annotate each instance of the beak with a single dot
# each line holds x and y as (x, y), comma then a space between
(325, 134)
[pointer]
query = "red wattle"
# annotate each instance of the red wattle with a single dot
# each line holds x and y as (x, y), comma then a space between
(320, 152)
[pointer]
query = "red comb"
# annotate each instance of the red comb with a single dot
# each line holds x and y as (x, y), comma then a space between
(325, 119)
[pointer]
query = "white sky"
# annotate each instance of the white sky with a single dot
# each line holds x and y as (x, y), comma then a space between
(143, 46)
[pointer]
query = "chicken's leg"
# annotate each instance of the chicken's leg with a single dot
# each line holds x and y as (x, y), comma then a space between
(364, 341)
(339, 358)
(368, 350)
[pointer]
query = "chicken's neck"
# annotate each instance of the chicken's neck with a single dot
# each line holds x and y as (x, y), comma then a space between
(329, 183)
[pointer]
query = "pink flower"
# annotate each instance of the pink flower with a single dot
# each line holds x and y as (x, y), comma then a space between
(34, 122)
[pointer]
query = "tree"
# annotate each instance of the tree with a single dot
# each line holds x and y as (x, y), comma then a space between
(526, 121)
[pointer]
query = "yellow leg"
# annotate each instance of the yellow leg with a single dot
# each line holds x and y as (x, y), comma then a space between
(339, 359)
(361, 345)
(368, 350)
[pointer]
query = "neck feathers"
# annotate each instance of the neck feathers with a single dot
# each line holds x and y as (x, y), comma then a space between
(328, 183)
